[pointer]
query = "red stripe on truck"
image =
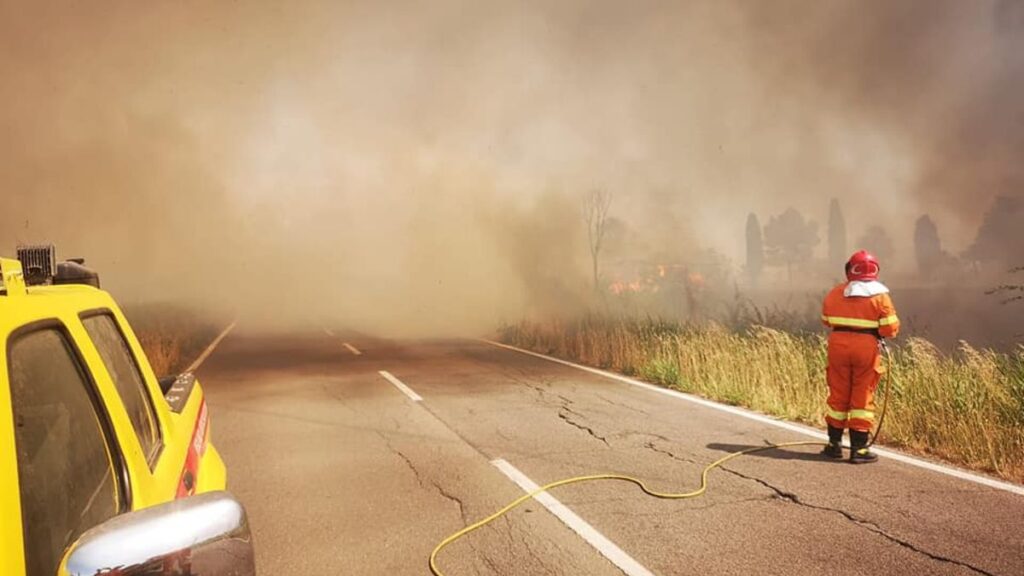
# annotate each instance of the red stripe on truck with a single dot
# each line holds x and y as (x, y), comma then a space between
(196, 449)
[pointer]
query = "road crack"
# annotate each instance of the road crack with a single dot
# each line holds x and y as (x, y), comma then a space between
(566, 412)
(427, 483)
(651, 446)
(453, 498)
(793, 498)
(424, 483)
(538, 559)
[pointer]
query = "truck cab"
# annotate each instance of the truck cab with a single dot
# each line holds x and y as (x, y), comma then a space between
(92, 446)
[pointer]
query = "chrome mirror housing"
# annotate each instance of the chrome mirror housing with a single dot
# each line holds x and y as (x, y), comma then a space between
(205, 535)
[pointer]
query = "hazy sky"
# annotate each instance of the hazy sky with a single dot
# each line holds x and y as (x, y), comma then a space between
(426, 159)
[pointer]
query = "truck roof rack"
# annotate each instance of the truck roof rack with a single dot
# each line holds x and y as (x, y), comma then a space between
(38, 263)
(39, 267)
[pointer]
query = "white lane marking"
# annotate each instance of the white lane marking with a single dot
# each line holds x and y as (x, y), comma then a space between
(329, 332)
(401, 386)
(947, 470)
(209, 349)
(603, 545)
(352, 349)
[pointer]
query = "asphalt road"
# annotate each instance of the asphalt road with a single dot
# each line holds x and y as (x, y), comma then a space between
(344, 473)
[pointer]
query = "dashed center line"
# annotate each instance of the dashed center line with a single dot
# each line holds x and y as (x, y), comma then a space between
(603, 545)
(209, 349)
(355, 351)
(401, 386)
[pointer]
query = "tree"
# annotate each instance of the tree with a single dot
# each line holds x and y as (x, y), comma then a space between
(595, 214)
(877, 241)
(837, 253)
(790, 239)
(927, 247)
(755, 249)
(1000, 238)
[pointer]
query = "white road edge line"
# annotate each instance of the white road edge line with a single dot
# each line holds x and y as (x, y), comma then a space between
(941, 469)
(401, 386)
(603, 545)
(352, 349)
(209, 349)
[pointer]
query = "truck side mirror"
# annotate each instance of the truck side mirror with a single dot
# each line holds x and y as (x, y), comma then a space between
(204, 535)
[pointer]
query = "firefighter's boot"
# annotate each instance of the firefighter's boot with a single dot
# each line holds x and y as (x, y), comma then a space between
(859, 453)
(834, 448)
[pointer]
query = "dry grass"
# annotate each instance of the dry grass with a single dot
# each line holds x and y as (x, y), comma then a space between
(172, 336)
(966, 407)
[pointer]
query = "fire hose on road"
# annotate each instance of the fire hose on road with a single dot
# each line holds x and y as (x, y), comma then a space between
(886, 379)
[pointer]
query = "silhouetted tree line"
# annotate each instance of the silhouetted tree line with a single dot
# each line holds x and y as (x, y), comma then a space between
(789, 239)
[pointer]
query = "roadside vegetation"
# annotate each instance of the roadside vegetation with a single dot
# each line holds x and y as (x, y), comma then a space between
(172, 336)
(966, 407)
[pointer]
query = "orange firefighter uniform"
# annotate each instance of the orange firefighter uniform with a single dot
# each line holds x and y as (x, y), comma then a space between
(859, 314)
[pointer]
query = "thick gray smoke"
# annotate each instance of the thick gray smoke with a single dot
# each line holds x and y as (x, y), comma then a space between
(924, 98)
(419, 166)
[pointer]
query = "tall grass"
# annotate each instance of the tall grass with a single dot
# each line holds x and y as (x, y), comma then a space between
(966, 407)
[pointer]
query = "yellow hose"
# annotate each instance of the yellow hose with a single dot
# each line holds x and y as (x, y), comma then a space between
(667, 496)
(887, 379)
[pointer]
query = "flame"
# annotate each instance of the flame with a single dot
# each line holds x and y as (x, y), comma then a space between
(654, 280)
(618, 288)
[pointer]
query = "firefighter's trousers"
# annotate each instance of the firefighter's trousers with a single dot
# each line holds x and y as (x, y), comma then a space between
(854, 370)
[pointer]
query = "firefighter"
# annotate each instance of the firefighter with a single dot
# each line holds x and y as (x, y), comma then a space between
(860, 314)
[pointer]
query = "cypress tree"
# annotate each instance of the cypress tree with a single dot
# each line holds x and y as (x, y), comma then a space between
(755, 249)
(837, 253)
(927, 246)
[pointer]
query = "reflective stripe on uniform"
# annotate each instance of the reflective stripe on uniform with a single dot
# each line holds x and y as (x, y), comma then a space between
(851, 322)
(888, 320)
(862, 414)
(837, 415)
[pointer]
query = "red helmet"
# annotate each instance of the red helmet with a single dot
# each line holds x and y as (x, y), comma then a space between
(862, 266)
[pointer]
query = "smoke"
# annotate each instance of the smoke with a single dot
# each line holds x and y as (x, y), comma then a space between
(925, 95)
(419, 167)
